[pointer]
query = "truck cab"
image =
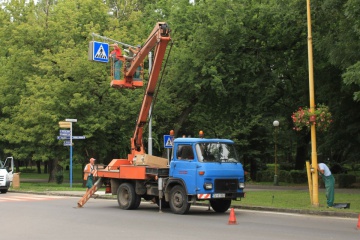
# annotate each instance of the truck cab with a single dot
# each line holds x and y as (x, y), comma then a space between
(6, 174)
(204, 169)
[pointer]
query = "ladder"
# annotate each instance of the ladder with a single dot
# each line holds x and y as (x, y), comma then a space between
(90, 192)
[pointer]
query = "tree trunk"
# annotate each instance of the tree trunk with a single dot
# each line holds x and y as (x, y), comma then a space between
(46, 167)
(52, 169)
(17, 166)
(302, 152)
(38, 166)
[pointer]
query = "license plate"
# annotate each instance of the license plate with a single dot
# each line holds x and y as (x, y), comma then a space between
(218, 195)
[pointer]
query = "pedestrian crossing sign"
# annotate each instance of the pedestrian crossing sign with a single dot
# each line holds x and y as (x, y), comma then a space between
(168, 141)
(99, 51)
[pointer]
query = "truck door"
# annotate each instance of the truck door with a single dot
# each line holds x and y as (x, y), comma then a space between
(183, 166)
(9, 163)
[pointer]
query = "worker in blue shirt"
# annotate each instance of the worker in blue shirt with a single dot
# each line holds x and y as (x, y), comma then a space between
(329, 181)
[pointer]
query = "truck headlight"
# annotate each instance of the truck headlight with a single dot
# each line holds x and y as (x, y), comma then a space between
(208, 186)
(241, 185)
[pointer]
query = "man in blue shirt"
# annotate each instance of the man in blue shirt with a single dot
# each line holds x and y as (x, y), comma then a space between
(329, 181)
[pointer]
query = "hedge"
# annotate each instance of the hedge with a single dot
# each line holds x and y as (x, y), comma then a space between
(293, 176)
(346, 180)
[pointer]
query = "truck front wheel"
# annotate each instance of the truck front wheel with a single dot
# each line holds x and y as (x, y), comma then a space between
(127, 197)
(220, 205)
(178, 200)
(3, 190)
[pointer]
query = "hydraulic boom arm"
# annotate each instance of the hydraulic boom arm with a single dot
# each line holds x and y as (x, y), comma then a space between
(159, 38)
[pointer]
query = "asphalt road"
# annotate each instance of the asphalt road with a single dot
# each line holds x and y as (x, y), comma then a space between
(36, 217)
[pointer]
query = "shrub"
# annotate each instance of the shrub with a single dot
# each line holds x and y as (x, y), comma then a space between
(265, 176)
(346, 180)
(298, 176)
(59, 177)
(284, 176)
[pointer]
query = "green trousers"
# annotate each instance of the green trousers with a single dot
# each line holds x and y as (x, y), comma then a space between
(89, 182)
(329, 186)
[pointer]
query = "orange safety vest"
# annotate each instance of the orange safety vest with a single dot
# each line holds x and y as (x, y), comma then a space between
(87, 170)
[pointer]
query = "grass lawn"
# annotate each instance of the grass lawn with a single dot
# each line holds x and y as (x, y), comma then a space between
(32, 174)
(297, 200)
(44, 187)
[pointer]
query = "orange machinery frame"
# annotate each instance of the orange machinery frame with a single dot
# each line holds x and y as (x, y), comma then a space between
(123, 168)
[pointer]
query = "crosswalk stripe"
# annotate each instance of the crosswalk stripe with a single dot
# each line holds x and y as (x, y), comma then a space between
(27, 198)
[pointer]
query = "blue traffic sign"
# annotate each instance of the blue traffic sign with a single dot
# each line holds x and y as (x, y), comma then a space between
(100, 52)
(168, 141)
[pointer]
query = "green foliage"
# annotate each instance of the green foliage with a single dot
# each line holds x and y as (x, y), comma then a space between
(346, 180)
(293, 176)
(59, 177)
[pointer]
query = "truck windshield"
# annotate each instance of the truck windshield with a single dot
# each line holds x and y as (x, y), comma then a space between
(216, 152)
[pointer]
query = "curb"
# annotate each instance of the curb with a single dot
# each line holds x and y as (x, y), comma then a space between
(253, 208)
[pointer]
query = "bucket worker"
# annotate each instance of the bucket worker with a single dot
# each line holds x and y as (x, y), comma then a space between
(89, 172)
(329, 181)
(117, 58)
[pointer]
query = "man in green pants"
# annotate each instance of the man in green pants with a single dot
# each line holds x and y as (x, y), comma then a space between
(329, 181)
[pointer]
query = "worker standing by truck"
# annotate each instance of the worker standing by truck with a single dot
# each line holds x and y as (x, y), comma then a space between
(329, 181)
(89, 172)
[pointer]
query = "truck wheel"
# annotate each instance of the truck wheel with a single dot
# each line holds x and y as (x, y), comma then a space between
(137, 202)
(127, 197)
(220, 205)
(179, 200)
(4, 191)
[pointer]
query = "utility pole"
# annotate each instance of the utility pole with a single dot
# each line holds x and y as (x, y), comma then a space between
(314, 161)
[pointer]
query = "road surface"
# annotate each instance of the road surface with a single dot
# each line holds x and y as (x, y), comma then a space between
(40, 217)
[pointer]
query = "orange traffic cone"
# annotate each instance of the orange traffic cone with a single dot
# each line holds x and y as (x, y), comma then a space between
(232, 218)
(358, 225)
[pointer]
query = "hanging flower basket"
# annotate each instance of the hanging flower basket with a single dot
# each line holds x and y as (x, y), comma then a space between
(303, 118)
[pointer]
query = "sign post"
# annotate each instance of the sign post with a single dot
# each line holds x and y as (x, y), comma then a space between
(68, 137)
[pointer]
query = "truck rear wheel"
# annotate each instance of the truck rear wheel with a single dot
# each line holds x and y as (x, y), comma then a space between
(179, 200)
(127, 197)
(220, 205)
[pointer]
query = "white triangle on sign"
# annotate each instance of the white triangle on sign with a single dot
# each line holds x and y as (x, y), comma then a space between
(169, 143)
(101, 53)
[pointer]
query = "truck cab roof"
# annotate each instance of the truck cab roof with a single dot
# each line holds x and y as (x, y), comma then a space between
(202, 140)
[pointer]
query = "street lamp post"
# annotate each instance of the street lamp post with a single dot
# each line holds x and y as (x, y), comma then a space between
(276, 125)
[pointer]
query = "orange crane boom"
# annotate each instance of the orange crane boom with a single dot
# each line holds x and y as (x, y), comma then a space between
(158, 39)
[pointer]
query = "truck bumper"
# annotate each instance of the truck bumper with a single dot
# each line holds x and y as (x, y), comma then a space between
(6, 186)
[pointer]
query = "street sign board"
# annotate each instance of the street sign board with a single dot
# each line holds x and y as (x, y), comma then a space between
(78, 137)
(68, 137)
(71, 120)
(168, 141)
(64, 124)
(99, 51)
(64, 132)
(67, 143)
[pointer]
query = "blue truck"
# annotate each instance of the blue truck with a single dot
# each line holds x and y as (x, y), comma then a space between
(199, 169)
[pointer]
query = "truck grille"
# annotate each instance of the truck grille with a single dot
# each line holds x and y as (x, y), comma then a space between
(226, 185)
(2, 178)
